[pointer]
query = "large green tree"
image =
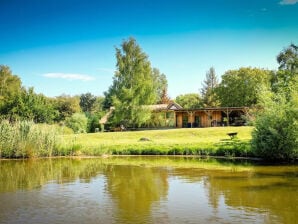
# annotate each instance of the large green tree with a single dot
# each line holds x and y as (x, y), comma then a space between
(27, 105)
(133, 85)
(286, 78)
(276, 131)
(243, 87)
(10, 87)
(161, 85)
(66, 106)
(87, 102)
(209, 96)
(189, 101)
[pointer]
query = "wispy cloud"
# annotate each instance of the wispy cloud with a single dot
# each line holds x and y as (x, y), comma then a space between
(108, 70)
(288, 2)
(69, 76)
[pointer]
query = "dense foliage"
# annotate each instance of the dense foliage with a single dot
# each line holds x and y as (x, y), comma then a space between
(276, 133)
(78, 122)
(242, 87)
(189, 101)
(133, 86)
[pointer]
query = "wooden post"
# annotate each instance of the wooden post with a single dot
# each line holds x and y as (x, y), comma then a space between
(209, 114)
(227, 112)
(175, 119)
(191, 116)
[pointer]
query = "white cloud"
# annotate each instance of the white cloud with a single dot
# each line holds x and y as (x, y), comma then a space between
(107, 70)
(69, 76)
(288, 2)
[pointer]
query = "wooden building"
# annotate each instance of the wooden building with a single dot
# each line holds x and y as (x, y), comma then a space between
(174, 116)
(201, 117)
(210, 117)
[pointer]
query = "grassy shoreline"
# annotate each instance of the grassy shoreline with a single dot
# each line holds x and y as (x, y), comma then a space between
(196, 141)
(29, 140)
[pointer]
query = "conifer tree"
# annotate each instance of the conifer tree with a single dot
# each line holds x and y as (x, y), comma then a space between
(209, 96)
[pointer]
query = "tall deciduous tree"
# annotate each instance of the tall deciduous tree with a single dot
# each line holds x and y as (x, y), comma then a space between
(66, 105)
(288, 59)
(243, 87)
(276, 131)
(10, 87)
(286, 78)
(208, 93)
(161, 85)
(189, 101)
(133, 85)
(87, 102)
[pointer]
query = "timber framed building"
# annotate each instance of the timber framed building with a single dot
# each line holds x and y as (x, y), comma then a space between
(203, 117)
(172, 115)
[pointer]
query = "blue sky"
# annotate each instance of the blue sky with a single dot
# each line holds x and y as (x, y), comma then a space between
(68, 46)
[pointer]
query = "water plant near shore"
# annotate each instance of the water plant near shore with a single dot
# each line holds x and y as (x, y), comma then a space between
(24, 139)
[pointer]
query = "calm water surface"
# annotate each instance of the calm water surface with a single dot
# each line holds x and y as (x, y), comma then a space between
(146, 190)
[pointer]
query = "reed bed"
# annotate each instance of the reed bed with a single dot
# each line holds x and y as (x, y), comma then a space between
(24, 139)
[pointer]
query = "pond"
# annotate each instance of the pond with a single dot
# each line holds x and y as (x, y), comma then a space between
(146, 190)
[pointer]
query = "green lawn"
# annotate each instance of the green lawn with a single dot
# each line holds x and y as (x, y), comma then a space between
(196, 141)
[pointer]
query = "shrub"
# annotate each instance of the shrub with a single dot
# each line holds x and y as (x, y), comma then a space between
(276, 133)
(77, 122)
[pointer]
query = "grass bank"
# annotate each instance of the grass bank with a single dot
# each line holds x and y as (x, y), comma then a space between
(26, 139)
(196, 141)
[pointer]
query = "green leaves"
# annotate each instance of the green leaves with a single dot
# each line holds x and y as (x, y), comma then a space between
(189, 101)
(242, 87)
(133, 86)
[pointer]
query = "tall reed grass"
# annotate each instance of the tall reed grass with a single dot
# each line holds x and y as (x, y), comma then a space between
(24, 139)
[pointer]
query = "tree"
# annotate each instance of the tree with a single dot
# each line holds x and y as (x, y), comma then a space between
(276, 131)
(286, 78)
(288, 59)
(161, 85)
(164, 99)
(97, 113)
(36, 107)
(243, 87)
(66, 105)
(77, 122)
(275, 136)
(87, 102)
(189, 101)
(10, 84)
(133, 86)
(10, 87)
(27, 105)
(208, 93)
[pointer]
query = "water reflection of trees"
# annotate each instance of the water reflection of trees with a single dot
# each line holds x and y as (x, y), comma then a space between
(139, 183)
(135, 189)
(274, 195)
(31, 174)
